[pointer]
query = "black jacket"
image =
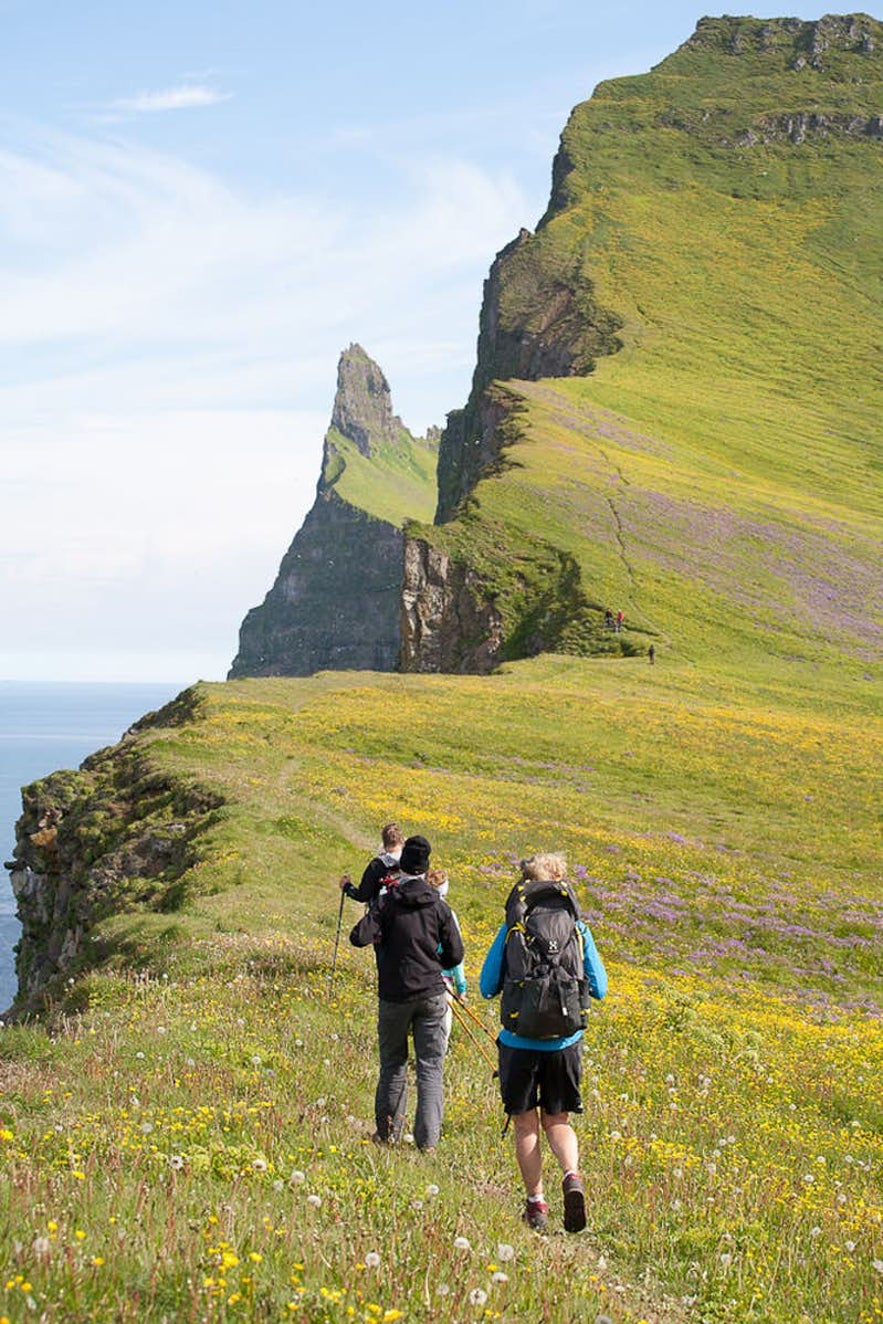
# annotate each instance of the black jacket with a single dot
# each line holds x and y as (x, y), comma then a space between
(416, 937)
(382, 866)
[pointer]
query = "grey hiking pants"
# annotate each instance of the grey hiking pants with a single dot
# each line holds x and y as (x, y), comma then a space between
(425, 1019)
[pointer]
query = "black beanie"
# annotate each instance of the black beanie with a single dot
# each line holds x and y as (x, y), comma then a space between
(415, 855)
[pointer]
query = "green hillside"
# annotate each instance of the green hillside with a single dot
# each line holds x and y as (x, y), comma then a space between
(717, 478)
(395, 482)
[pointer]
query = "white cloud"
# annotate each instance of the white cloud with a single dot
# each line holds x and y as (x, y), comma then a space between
(187, 96)
(169, 348)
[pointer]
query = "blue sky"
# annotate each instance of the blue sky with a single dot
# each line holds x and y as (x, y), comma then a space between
(200, 206)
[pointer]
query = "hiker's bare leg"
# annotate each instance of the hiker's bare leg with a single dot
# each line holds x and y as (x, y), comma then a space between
(527, 1150)
(562, 1140)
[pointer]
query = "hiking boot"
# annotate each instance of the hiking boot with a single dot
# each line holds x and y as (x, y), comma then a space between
(536, 1215)
(574, 1203)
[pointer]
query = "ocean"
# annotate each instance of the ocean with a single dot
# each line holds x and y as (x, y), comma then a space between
(45, 726)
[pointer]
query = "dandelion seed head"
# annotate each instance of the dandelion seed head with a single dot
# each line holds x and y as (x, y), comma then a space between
(315, 1201)
(372, 1260)
(432, 1189)
(499, 1277)
(477, 1297)
(461, 1243)
(505, 1252)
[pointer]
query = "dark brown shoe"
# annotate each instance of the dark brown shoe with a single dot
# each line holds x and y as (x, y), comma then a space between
(574, 1203)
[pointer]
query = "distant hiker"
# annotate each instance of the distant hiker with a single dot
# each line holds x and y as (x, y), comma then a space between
(545, 963)
(383, 865)
(415, 938)
(619, 620)
(455, 979)
(651, 653)
(608, 619)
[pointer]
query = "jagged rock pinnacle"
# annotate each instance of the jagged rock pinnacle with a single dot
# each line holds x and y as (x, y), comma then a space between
(363, 405)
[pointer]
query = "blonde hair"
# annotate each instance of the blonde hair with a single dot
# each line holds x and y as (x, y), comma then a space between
(546, 868)
(392, 835)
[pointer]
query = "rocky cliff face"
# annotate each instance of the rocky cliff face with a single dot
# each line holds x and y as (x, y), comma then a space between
(335, 602)
(539, 318)
(111, 837)
(448, 624)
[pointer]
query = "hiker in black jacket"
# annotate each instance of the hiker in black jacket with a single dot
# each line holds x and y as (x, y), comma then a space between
(415, 937)
(382, 865)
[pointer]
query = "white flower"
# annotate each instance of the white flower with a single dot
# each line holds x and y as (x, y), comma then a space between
(315, 1201)
(461, 1243)
(278, 1184)
(815, 1232)
(877, 1265)
(808, 1178)
(256, 1061)
(603, 1319)
(442, 1289)
(499, 1277)
(259, 1164)
(297, 1176)
(41, 1245)
(432, 1189)
(146, 1128)
(726, 1259)
(505, 1251)
(849, 1246)
(176, 1162)
(320, 1103)
(372, 1260)
(477, 1297)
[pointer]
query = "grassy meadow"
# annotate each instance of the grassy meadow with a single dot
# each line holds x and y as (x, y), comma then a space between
(187, 1137)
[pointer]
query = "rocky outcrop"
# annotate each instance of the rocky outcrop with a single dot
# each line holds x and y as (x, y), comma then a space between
(448, 621)
(335, 602)
(115, 836)
(539, 318)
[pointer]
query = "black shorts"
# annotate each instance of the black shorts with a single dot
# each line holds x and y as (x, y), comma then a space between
(531, 1078)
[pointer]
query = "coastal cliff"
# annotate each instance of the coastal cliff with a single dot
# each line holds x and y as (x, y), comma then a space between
(114, 836)
(336, 600)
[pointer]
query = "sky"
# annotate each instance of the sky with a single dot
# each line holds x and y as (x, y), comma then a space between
(201, 205)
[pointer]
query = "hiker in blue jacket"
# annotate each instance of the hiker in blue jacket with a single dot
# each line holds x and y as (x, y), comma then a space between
(540, 1077)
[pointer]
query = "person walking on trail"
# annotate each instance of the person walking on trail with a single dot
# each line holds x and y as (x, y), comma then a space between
(651, 653)
(415, 938)
(619, 620)
(455, 979)
(383, 865)
(544, 946)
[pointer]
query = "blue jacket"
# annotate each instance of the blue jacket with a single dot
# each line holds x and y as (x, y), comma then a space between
(490, 983)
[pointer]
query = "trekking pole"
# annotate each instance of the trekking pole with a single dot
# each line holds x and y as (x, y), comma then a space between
(470, 1013)
(466, 1030)
(336, 942)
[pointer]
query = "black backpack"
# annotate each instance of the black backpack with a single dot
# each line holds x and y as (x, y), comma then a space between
(545, 991)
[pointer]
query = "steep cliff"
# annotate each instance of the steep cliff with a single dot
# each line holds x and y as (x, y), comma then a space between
(704, 287)
(118, 835)
(335, 602)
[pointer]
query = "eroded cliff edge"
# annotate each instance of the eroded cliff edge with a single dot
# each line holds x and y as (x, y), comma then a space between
(115, 836)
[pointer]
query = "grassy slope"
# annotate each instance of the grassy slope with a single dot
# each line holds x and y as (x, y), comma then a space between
(719, 479)
(396, 483)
